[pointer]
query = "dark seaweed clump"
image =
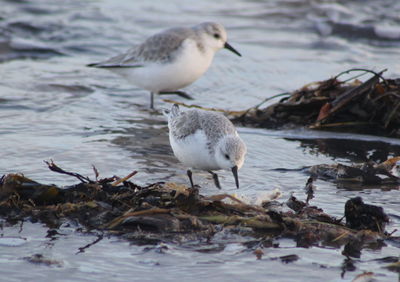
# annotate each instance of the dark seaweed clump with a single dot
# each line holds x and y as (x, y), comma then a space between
(342, 105)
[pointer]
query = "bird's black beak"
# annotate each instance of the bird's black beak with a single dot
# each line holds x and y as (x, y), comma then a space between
(229, 47)
(235, 174)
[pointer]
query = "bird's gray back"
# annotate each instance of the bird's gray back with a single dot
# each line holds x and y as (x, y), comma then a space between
(160, 47)
(214, 125)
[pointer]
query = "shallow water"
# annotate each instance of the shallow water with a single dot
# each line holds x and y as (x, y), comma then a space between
(53, 107)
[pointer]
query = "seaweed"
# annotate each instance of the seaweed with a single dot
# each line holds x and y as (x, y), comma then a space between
(363, 216)
(367, 173)
(341, 105)
(169, 212)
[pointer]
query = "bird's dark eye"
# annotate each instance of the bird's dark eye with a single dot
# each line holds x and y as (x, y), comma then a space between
(227, 156)
(216, 36)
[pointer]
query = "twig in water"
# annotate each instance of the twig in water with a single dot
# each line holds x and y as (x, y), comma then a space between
(365, 70)
(310, 189)
(262, 102)
(391, 233)
(53, 167)
(82, 249)
(340, 124)
(119, 181)
(96, 172)
(270, 98)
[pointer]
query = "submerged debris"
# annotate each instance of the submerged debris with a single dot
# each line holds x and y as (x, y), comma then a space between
(395, 267)
(40, 259)
(362, 216)
(365, 107)
(365, 173)
(310, 189)
(365, 277)
(164, 212)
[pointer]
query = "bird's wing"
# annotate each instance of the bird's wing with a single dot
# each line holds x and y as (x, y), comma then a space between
(160, 47)
(116, 62)
(216, 125)
(184, 124)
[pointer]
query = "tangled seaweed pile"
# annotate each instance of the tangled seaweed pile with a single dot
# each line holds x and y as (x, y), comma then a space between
(351, 105)
(164, 212)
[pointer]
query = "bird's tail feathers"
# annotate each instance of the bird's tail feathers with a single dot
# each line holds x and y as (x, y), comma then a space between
(173, 112)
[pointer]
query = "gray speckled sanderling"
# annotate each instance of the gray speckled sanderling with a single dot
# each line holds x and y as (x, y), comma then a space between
(170, 60)
(205, 140)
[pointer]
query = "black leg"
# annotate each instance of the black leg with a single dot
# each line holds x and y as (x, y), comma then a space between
(151, 100)
(215, 177)
(189, 174)
(179, 93)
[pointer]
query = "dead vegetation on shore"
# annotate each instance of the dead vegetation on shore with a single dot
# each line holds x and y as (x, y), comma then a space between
(349, 105)
(163, 212)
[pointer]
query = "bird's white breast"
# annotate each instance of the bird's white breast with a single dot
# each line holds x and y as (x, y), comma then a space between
(188, 65)
(193, 152)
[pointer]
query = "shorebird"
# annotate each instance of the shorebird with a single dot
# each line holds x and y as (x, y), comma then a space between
(205, 140)
(170, 60)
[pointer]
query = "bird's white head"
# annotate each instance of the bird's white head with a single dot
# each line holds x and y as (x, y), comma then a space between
(214, 36)
(230, 154)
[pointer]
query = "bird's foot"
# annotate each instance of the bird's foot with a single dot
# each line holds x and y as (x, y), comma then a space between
(179, 93)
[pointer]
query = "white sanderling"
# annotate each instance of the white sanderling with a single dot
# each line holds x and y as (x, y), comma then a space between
(205, 140)
(170, 60)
